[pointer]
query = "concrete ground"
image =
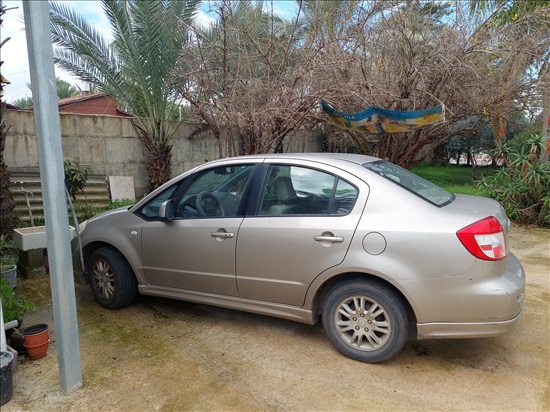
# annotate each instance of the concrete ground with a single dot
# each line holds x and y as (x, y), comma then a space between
(165, 355)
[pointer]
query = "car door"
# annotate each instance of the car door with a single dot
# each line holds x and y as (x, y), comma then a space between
(299, 231)
(196, 250)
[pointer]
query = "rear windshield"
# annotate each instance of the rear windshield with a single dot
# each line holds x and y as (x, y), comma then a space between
(411, 182)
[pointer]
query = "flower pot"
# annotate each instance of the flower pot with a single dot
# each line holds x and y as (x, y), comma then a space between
(9, 272)
(37, 351)
(36, 334)
(6, 376)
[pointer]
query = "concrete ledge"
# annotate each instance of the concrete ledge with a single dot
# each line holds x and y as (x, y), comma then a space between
(28, 238)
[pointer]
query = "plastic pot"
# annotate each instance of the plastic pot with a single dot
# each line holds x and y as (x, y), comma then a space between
(9, 272)
(37, 351)
(6, 376)
(36, 334)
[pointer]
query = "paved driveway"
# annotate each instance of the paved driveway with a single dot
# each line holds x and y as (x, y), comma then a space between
(172, 356)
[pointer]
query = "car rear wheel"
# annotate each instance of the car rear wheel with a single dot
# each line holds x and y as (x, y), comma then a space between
(111, 278)
(366, 321)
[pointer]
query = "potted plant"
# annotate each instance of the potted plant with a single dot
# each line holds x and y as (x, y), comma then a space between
(8, 260)
(13, 305)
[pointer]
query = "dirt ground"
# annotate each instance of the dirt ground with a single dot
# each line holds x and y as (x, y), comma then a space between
(164, 355)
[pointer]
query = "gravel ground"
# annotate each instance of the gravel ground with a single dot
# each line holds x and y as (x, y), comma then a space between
(164, 355)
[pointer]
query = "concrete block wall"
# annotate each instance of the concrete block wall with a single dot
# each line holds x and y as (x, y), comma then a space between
(110, 146)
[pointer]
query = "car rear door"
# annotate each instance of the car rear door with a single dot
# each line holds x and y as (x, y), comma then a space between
(285, 246)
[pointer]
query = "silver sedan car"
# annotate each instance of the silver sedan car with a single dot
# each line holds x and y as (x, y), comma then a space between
(374, 252)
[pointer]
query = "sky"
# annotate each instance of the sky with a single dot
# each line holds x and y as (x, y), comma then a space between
(14, 52)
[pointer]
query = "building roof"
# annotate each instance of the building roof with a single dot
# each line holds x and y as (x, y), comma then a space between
(97, 103)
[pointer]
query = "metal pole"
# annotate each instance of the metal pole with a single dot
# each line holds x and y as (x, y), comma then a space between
(3, 343)
(50, 156)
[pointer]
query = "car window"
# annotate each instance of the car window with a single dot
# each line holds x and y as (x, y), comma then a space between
(411, 182)
(294, 190)
(214, 193)
(344, 198)
(151, 209)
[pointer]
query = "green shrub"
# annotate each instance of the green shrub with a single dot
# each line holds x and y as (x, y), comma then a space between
(84, 212)
(9, 254)
(115, 204)
(522, 185)
(76, 178)
(13, 305)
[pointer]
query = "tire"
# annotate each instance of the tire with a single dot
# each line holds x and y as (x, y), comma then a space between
(111, 278)
(366, 321)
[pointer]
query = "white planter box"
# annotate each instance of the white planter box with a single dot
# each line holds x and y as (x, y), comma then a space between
(29, 238)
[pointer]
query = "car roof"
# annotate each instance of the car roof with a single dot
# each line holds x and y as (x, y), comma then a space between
(324, 157)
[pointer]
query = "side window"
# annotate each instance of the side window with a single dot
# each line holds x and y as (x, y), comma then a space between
(151, 209)
(215, 193)
(293, 190)
(344, 198)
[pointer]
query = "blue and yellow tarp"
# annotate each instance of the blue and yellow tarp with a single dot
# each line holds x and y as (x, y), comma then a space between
(376, 120)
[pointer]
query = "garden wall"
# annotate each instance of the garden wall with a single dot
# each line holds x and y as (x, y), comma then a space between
(109, 146)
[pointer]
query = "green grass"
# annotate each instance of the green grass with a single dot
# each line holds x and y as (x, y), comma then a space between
(455, 179)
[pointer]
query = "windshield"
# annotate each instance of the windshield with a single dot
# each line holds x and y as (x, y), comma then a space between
(411, 182)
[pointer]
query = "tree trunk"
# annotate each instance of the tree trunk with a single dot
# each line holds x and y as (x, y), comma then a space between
(159, 165)
(159, 155)
(499, 127)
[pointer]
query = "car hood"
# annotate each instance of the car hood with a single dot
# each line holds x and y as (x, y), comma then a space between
(480, 207)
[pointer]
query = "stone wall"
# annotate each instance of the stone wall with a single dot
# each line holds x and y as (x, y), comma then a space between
(110, 146)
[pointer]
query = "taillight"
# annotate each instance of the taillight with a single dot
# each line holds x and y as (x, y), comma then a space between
(484, 239)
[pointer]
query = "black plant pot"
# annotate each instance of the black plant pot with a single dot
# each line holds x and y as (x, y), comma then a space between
(34, 329)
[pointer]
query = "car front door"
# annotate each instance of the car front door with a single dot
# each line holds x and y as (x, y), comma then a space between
(305, 223)
(196, 250)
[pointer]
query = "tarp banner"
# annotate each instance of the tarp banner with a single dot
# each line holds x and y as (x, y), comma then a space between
(376, 120)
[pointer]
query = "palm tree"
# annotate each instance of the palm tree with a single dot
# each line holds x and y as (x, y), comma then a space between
(64, 90)
(136, 68)
(23, 102)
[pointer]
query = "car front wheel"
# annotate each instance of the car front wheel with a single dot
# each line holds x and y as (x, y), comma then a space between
(366, 321)
(111, 278)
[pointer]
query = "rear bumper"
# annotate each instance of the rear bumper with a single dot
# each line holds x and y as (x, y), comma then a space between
(441, 330)
(496, 305)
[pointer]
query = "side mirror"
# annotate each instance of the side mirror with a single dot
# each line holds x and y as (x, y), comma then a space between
(166, 211)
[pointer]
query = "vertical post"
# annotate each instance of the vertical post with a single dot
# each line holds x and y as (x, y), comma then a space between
(3, 343)
(52, 177)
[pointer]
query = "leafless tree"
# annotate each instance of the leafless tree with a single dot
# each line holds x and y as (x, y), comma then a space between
(424, 54)
(253, 77)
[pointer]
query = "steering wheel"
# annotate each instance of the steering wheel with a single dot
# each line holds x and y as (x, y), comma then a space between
(209, 205)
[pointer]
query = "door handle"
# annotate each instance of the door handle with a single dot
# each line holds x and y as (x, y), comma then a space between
(331, 239)
(223, 235)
